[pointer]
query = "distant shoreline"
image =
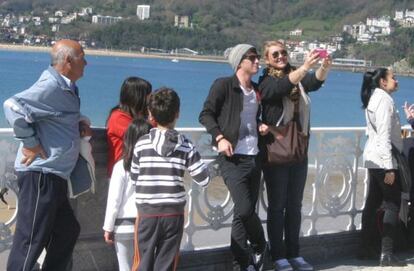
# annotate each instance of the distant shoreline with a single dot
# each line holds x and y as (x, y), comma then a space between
(202, 58)
(116, 53)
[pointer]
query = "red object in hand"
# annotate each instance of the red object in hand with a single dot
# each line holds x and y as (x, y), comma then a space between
(323, 53)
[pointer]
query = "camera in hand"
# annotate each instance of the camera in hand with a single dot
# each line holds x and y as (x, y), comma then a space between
(323, 53)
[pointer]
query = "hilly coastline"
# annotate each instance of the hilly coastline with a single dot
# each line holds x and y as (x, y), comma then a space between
(218, 24)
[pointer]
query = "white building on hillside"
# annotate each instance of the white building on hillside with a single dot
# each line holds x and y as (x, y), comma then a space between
(399, 15)
(69, 19)
(60, 13)
(86, 11)
(53, 20)
(143, 12)
(405, 18)
(37, 20)
(182, 21)
(296, 32)
(379, 22)
(99, 19)
(379, 26)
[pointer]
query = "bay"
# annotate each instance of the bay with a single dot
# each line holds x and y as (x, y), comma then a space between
(336, 104)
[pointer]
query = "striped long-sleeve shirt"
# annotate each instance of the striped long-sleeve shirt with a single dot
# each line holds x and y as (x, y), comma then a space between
(158, 166)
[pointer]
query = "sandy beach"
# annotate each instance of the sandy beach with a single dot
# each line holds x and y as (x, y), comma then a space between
(116, 53)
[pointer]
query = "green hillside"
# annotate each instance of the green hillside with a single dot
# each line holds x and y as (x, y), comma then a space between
(218, 24)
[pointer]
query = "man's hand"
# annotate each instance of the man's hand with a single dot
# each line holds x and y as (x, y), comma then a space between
(85, 129)
(263, 129)
(31, 153)
(225, 146)
(389, 177)
(109, 237)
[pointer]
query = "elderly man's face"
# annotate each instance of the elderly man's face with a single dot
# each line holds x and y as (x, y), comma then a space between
(77, 64)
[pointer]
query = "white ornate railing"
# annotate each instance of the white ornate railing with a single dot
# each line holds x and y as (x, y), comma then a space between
(8, 148)
(333, 199)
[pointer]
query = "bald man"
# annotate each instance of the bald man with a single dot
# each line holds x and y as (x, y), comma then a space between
(46, 119)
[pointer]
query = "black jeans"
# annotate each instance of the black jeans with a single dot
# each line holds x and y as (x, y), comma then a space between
(44, 220)
(380, 196)
(285, 185)
(241, 174)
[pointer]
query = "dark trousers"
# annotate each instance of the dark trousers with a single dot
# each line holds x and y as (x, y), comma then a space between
(241, 174)
(157, 242)
(381, 196)
(45, 219)
(285, 185)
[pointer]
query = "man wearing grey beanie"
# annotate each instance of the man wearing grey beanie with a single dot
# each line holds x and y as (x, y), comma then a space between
(230, 114)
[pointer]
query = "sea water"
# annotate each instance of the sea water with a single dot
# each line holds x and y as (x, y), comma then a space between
(336, 104)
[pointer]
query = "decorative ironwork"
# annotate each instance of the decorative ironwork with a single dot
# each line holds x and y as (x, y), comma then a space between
(7, 180)
(334, 174)
(336, 187)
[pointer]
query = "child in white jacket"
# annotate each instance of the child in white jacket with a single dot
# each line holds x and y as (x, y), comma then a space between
(121, 211)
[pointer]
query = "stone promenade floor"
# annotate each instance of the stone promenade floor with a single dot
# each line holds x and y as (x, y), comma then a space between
(354, 264)
(351, 264)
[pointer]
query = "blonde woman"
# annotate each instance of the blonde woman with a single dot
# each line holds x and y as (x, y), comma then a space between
(283, 86)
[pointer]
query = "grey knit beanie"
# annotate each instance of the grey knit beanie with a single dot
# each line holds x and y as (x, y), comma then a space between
(236, 54)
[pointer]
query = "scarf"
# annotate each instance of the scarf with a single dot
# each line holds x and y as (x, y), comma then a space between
(295, 92)
(297, 96)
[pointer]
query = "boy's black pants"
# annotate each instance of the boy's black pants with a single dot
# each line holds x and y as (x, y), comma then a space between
(157, 242)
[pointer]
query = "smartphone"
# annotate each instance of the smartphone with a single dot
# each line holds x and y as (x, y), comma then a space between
(323, 53)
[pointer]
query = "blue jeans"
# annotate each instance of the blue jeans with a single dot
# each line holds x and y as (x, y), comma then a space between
(285, 185)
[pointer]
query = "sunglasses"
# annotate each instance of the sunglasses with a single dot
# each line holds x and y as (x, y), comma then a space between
(277, 54)
(252, 58)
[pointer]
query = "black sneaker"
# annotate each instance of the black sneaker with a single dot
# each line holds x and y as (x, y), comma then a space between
(391, 260)
(258, 259)
(282, 265)
(299, 264)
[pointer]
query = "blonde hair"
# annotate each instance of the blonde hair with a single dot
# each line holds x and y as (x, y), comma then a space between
(269, 44)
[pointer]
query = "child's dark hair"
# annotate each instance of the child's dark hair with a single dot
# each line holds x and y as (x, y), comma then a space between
(136, 129)
(133, 97)
(164, 105)
(370, 82)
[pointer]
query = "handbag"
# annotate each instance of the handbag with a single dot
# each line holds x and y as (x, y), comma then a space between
(286, 144)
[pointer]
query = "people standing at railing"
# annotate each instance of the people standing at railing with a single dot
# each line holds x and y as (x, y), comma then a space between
(121, 211)
(384, 194)
(159, 162)
(46, 119)
(230, 114)
(281, 87)
(132, 104)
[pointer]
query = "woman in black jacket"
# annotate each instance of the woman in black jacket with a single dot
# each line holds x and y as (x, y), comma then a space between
(281, 87)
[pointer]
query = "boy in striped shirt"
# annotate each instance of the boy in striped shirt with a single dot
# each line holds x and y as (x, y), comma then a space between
(158, 166)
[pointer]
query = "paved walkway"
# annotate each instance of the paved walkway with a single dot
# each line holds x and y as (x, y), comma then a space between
(354, 264)
(351, 264)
